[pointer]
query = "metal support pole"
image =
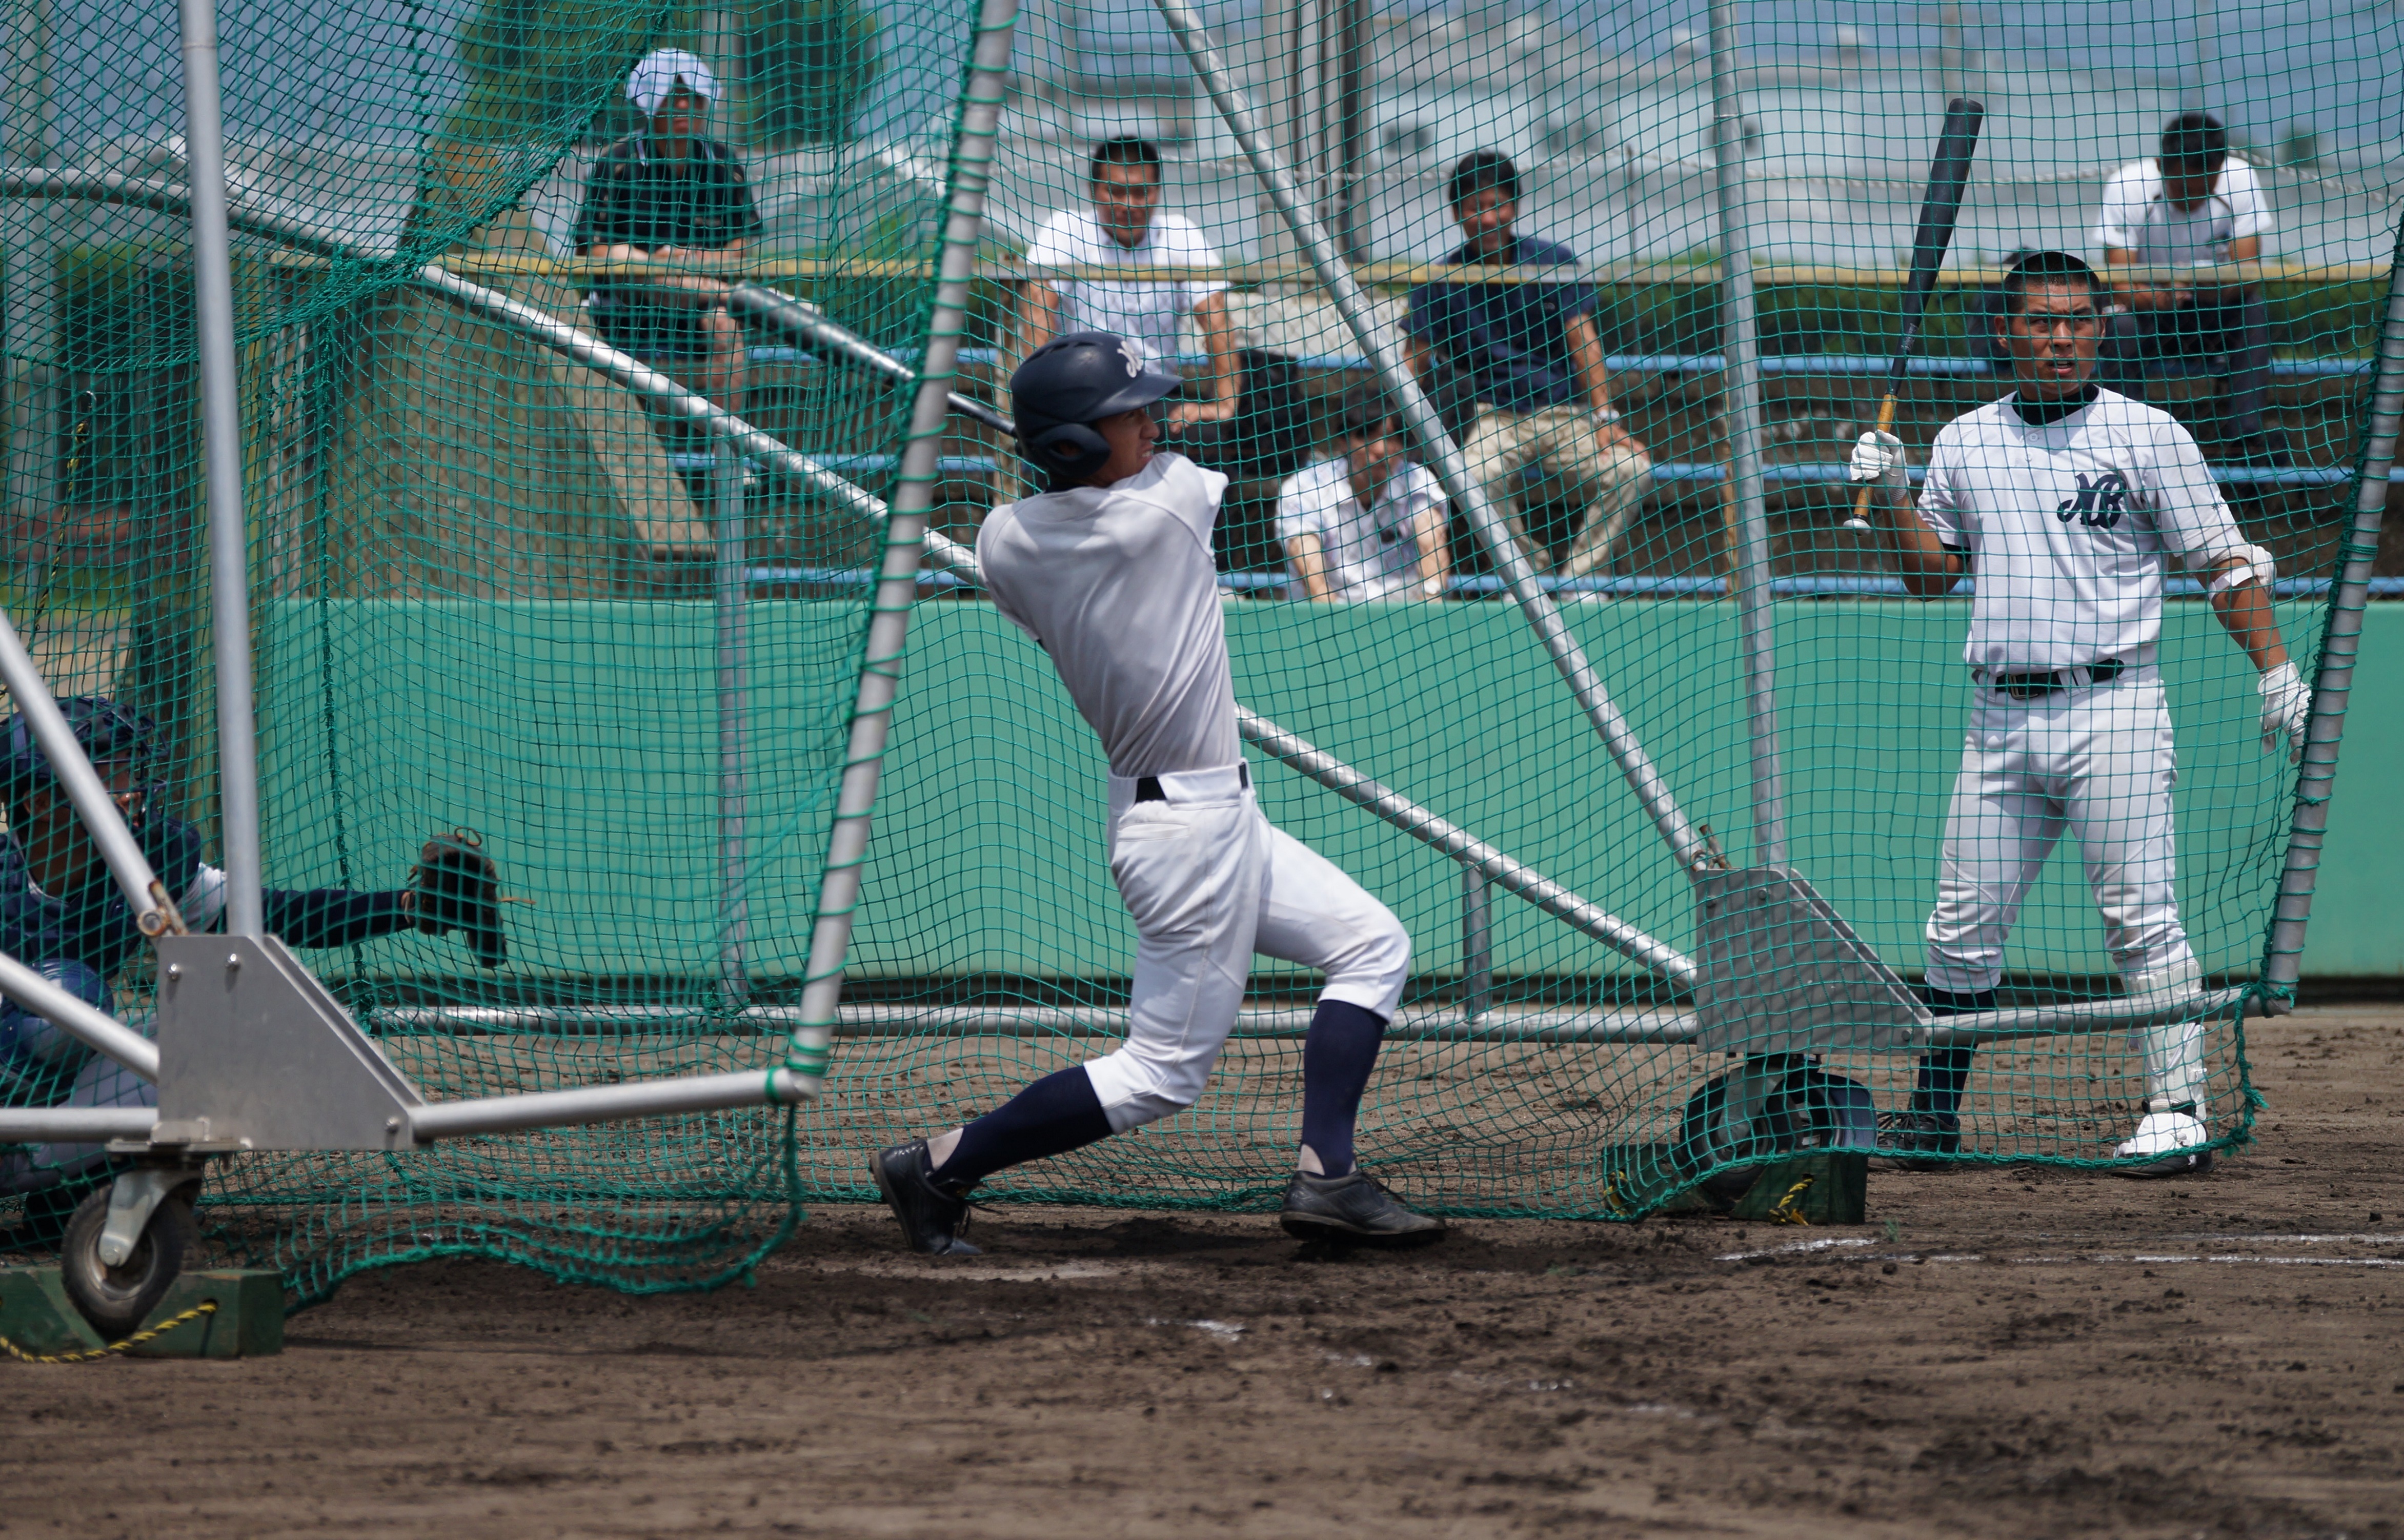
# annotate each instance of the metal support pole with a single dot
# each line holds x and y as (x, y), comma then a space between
(1476, 944)
(1741, 409)
(906, 531)
(730, 596)
(1687, 843)
(221, 460)
(2341, 645)
(153, 906)
(1352, 128)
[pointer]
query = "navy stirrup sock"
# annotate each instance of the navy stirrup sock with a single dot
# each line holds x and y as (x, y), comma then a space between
(1336, 1058)
(1054, 1115)
(1945, 1074)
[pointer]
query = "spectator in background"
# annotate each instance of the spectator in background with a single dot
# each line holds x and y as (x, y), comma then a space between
(2192, 206)
(1517, 372)
(1124, 228)
(671, 194)
(1365, 523)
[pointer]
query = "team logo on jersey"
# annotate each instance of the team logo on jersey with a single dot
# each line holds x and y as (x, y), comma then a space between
(2098, 505)
(1133, 355)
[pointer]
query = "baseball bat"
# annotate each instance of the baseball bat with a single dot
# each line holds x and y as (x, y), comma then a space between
(1938, 206)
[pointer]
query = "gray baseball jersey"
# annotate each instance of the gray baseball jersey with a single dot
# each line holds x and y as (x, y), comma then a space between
(2068, 525)
(1117, 584)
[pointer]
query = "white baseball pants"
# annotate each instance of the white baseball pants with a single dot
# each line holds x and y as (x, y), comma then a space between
(1210, 881)
(2097, 763)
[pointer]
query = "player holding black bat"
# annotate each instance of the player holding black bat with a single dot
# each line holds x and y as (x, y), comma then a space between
(2066, 503)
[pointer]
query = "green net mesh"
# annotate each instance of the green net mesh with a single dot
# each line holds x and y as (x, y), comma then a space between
(494, 588)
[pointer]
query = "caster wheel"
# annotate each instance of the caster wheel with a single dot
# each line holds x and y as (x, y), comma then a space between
(116, 1300)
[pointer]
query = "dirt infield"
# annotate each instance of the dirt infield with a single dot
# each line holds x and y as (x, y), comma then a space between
(2007, 1351)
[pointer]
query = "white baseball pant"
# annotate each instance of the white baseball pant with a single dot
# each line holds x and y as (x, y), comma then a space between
(1210, 881)
(2097, 761)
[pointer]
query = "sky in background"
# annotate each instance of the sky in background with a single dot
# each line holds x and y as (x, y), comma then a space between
(348, 67)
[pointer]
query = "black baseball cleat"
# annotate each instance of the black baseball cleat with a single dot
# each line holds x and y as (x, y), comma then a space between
(1352, 1208)
(1909, 1142)
(932, 1217)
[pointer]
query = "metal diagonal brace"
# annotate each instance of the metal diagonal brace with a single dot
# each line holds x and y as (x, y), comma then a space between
(1691, 848)
(86, 1023)
(154, 910)
(1300, 754)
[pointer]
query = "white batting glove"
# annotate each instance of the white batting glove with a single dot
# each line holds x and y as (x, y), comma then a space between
(2287, 709)
(1879, 458)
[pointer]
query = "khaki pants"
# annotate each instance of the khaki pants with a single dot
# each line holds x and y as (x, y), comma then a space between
(1504, 443)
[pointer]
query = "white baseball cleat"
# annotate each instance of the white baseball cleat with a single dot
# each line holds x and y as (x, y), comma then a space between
(2174, 1141)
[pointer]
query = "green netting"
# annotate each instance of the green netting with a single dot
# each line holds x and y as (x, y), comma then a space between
(491, 588)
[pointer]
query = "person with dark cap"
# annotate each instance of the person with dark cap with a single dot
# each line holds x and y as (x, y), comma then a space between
(61, 914)
(1518, 374)
(2195, 206)
(1110, 571)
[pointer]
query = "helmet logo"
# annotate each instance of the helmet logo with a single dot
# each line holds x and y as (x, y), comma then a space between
(1133, 355)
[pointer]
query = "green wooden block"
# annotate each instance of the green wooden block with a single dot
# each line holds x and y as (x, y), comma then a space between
(248, 1323)
(37, 1318)
(1826, 1187)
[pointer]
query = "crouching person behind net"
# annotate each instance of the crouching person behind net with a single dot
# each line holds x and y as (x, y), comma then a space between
(62, 913)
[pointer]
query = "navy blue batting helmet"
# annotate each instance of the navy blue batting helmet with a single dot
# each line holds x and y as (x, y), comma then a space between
(105, 730)
(1069, 383)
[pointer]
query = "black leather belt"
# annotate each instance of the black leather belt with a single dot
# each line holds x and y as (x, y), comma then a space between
(1147, 788)
(2029, 687)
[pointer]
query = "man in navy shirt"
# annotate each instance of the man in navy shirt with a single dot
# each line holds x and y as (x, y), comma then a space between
(1527, 356)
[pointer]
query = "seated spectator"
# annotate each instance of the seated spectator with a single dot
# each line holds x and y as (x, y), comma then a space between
(1241, 414)
(1365, 523)
(671, 194)
(1517, 372)
(2194, 205)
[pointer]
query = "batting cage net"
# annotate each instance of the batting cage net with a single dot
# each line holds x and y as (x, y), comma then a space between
(1772, 738)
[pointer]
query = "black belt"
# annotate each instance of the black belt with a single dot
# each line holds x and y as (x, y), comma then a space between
(2029, 687)
(1147, 788)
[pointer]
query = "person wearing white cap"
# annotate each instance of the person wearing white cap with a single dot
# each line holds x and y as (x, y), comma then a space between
(671, 193)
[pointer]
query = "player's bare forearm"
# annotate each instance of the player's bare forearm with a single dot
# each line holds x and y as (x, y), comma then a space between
(1928, 569)
(2246, 614)
(1303, 550)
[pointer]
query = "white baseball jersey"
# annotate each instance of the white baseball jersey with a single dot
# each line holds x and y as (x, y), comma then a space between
(2136, 216)
(1150, 313)
(1117, 584)
(2068, 525)
(1371, 551)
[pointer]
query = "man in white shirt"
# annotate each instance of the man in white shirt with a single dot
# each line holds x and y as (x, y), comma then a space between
(1366, 523)
(1111, 573)
(2192, 207)
(1124, 228)
(2067, 501)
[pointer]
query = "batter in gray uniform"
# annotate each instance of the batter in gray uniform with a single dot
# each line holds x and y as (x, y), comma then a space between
(1111, 573)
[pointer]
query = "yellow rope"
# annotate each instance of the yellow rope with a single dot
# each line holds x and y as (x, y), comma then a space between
(207, 1307)
(1785, 1213)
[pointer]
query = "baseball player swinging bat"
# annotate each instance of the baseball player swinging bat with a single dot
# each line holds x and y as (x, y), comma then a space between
(1938, 209)
(1110, 571)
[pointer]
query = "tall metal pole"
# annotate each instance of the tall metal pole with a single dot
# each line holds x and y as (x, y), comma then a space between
(1352, 128)
(730, 593)
(1740, 410)
(221, 462)
(1687, 843)
(2341, 645)
(906, 534)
